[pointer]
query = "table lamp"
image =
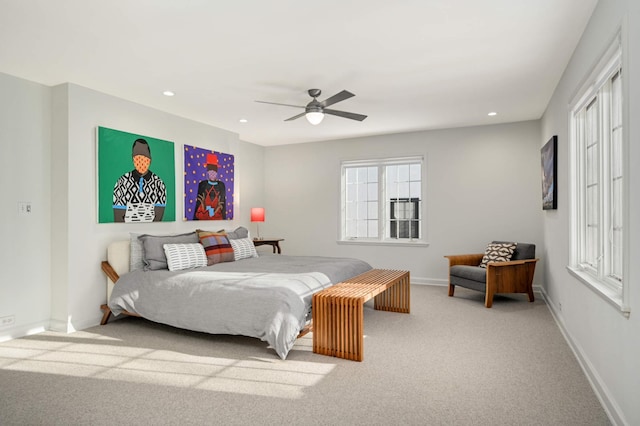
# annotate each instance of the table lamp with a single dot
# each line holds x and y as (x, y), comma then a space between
(257, 215)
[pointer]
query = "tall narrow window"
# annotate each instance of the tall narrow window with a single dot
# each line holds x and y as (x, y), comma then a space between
(598, 181)
(382, 200)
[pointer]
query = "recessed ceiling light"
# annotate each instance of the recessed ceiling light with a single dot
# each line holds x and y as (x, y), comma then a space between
(243, 120)
(168, 93)
(491, 114)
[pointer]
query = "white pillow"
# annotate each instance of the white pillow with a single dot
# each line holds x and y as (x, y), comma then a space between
(243, 248)
(184, 256)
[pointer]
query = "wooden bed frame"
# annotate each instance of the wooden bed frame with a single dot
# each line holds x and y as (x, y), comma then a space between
(113, 276)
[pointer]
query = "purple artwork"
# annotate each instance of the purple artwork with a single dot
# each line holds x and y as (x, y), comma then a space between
(208, 184)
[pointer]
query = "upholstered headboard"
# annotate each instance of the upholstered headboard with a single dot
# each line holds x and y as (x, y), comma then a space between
(118, 256)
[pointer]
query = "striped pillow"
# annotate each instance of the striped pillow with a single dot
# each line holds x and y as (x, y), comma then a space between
(243, 248)
(216, 246)
(184, 256)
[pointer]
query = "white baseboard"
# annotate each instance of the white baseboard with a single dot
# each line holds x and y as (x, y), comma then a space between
(429, 281)
(602, 392)
(51, 325)
(23, 330)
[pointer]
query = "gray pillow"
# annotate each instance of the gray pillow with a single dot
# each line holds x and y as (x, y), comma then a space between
(135, 251)
(237, 234)
(153, 254)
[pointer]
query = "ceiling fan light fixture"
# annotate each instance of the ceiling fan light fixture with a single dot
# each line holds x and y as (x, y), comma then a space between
(314, 117)
(315, 110)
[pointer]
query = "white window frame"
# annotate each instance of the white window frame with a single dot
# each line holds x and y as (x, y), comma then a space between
(383, 215)
(591, 258)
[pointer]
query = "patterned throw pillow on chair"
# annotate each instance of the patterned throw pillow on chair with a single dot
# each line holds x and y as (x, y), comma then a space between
(498, 252)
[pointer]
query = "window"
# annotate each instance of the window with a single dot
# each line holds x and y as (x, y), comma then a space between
(382, 200)
(598, 181)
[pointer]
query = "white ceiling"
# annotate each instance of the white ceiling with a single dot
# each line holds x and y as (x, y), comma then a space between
(413, 64)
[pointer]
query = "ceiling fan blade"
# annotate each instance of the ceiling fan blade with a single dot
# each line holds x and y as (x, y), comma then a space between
(345, 114)
(296, 116)
(275, 103)
(345, 94)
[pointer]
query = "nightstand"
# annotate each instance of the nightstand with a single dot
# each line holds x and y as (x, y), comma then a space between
(273, 242)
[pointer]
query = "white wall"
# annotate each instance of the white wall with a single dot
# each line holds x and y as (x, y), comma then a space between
(88, 239)
(607, 343)
(51, 269)
(25, 148)
(483, 183)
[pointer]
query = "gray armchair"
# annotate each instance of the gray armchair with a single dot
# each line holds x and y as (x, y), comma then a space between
(513, 276)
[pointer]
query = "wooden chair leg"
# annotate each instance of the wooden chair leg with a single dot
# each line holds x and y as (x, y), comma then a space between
(452, 288)
(106, 314)
(488, 297)
(530, 293)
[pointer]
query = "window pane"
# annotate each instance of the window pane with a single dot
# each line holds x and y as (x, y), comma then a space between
(372, 228)
(372, 192)
(362, 174)
(362, 229)
(351, 175)
(617, 179)
(415, 190)
(415, 172)
(403, 173)
(372, 174)
(403, 189)
(372, 211)
(362, 210)
(362, 192)
(351, 211)
(351, 192)
(392, 190)
(392, 174)
(351, 228)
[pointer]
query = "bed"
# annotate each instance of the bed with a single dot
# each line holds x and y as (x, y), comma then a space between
(266, 297)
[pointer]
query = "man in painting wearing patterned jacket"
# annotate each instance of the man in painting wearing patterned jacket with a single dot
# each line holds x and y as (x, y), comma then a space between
(139, 195)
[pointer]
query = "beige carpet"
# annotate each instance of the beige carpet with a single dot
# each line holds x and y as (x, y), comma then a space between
(450, 362)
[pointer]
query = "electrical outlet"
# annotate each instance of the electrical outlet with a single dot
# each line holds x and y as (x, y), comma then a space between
(24, 208)
(7, 321)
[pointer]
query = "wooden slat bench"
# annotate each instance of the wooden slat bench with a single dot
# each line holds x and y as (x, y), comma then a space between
(338, 311)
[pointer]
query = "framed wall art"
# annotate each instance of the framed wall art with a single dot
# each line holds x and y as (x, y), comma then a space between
(549, 155)
(136, 178)
(208, 184)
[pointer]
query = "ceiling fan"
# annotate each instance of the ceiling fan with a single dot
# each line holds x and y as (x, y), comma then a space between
(315, 110)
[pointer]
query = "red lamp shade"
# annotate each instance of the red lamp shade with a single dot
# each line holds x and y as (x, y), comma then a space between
(257, 214)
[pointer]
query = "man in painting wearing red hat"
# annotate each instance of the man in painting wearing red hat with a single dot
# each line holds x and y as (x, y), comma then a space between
(211, 200)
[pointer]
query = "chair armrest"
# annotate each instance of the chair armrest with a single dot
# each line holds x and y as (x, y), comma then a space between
(465, 259)
(514, 276)
(510, 263)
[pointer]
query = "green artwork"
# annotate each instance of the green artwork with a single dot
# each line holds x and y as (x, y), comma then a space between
(136, 178)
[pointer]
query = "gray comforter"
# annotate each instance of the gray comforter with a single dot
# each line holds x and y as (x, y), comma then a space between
(268, 297)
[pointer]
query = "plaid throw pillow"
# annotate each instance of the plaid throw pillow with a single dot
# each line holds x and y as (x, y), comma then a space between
(216, 246)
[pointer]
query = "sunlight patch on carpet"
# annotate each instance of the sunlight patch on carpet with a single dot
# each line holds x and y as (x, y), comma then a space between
(96, 357)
